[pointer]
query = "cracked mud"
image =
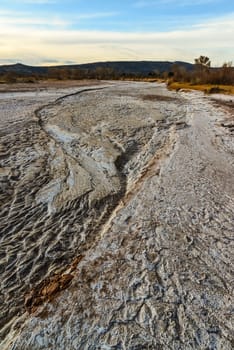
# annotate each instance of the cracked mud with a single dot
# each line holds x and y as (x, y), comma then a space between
(117, 218)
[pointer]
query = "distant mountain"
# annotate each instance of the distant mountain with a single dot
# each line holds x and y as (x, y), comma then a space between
(23, 69)
(123, 67)
(135, 67)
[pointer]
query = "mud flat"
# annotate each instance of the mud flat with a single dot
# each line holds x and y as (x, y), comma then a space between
(117, 219)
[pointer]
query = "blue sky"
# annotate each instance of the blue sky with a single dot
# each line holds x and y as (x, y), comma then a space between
(69, 31)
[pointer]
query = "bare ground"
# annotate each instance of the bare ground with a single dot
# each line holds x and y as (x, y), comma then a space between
(45, 85)
(139, 182)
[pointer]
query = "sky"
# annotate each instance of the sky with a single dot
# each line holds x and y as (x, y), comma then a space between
(51, 32)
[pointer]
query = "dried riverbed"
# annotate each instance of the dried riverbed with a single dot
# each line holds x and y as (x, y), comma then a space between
(116, 219)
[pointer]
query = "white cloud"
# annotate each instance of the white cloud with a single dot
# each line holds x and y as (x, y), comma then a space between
(54, 22)
(150, 3)
(95, 15)
(33, 45)
(25, 19)
(35, 2)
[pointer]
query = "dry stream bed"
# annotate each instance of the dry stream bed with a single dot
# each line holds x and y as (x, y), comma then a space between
(117, 219)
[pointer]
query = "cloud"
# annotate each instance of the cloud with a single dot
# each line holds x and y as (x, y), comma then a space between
(177, 3)
(96, 15)
(39, 2)
(36, 45)
(27, 20)
(20, 19)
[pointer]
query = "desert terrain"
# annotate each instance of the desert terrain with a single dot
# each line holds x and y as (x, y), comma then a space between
(117, 218)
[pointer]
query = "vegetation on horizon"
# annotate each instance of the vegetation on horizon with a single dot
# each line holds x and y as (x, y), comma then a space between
(202, 76)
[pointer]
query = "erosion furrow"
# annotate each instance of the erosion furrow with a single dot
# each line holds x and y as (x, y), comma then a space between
(120, 220)
(51, 215)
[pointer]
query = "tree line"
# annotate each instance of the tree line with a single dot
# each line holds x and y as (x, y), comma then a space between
(202, 73)
(66, 73)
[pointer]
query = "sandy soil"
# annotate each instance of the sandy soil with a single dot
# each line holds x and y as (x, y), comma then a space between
(134, 181)
(46, 85)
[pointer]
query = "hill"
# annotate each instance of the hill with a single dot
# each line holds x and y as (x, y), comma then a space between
(122, 67)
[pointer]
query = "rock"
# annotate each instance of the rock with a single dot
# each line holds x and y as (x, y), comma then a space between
(65, 280)
(51, 289)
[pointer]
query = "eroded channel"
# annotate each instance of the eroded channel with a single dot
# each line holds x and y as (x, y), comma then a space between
(108, 199)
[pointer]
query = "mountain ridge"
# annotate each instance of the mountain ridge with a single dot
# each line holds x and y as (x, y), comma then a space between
(123, 67)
